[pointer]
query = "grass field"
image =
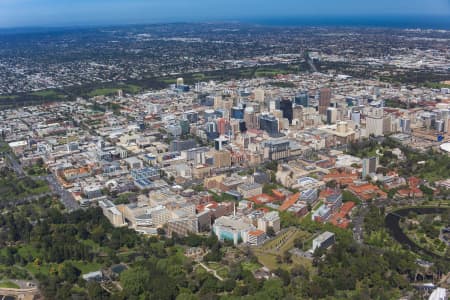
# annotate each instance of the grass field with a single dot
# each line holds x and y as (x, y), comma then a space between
(4, 97)
(9, 285)
(109, 91)
(249, 266)
(267, 253)
(103, 92)
(48, 94)
(83, 266)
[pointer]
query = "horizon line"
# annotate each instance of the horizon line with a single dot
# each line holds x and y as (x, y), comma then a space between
(327, 20)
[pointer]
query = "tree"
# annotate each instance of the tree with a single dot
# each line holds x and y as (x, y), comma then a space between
(270, 231)
(95, 291)
(69, 272)
(135, 281)
(331, 184)
(287, 257)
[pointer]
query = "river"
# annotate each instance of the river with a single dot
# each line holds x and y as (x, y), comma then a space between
(392, 224)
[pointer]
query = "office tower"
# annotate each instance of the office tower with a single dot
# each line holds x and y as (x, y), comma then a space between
(191, 116)
(221, 113)
(181, 145)
(274, 105)
(331, 115)
(185, 126)
(374, 122)
(286, 108)
(259, 95)
(369, 165)
(222, 126)
(356, 116)
(237, 112)
(218, 102)
(324, 100)
(250, 118)
(209, 115)
(302, 98)
(242, 126)
(298, 114)
(220, 142)
(269, 124)
(222, 159)
(342, 127)
(405, 125)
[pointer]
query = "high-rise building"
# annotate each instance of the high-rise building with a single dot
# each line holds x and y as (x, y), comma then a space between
(275, 150)
(286, 108)
(237, 112)
(374, 123)
(185, 126)
(191, 116)
(218, 102)
(181, 145)
(356, 116)
(242, 126)
(180, 81)
(405, 125)
(269, 124)
(369, 165)
(250, 118)
(332, 114)
(222, 159)
(324, 100)
(220, 143)
(222, 126)
(259, 95)
(302, 98)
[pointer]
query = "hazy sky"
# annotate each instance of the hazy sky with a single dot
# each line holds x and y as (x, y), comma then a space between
(15, 13)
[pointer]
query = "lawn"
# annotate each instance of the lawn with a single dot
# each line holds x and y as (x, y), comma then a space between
(12, 187)
(4, 97)
(103, 92)
(110, 91)
(45, 268)
(9, 285)
(28, 251)
(48, 94)
(267, 253)
(86, 267)
(269, 260)
(249, 266)
(198, 76)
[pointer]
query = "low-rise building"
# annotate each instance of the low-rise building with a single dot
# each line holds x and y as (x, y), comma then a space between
(323, 241)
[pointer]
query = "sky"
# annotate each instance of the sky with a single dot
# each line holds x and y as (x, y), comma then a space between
(21, 13)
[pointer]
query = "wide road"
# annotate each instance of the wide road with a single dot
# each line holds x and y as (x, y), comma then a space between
(65, 197)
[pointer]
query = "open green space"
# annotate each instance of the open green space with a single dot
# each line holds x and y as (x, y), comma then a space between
(15, 188)
(8, 285)
(425, 231)
(48, 94)
(6, 97)
(270, 252)
(109, 91)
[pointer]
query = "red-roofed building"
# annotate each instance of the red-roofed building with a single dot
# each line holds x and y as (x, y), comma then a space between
(367, 191)
(342, 178)
(340, 219)
(289, 202)
(256, 237)
(262, 199)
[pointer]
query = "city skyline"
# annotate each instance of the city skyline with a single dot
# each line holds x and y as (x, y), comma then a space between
(23, 13)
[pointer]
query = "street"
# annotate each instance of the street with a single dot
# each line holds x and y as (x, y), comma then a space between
(65, 197)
